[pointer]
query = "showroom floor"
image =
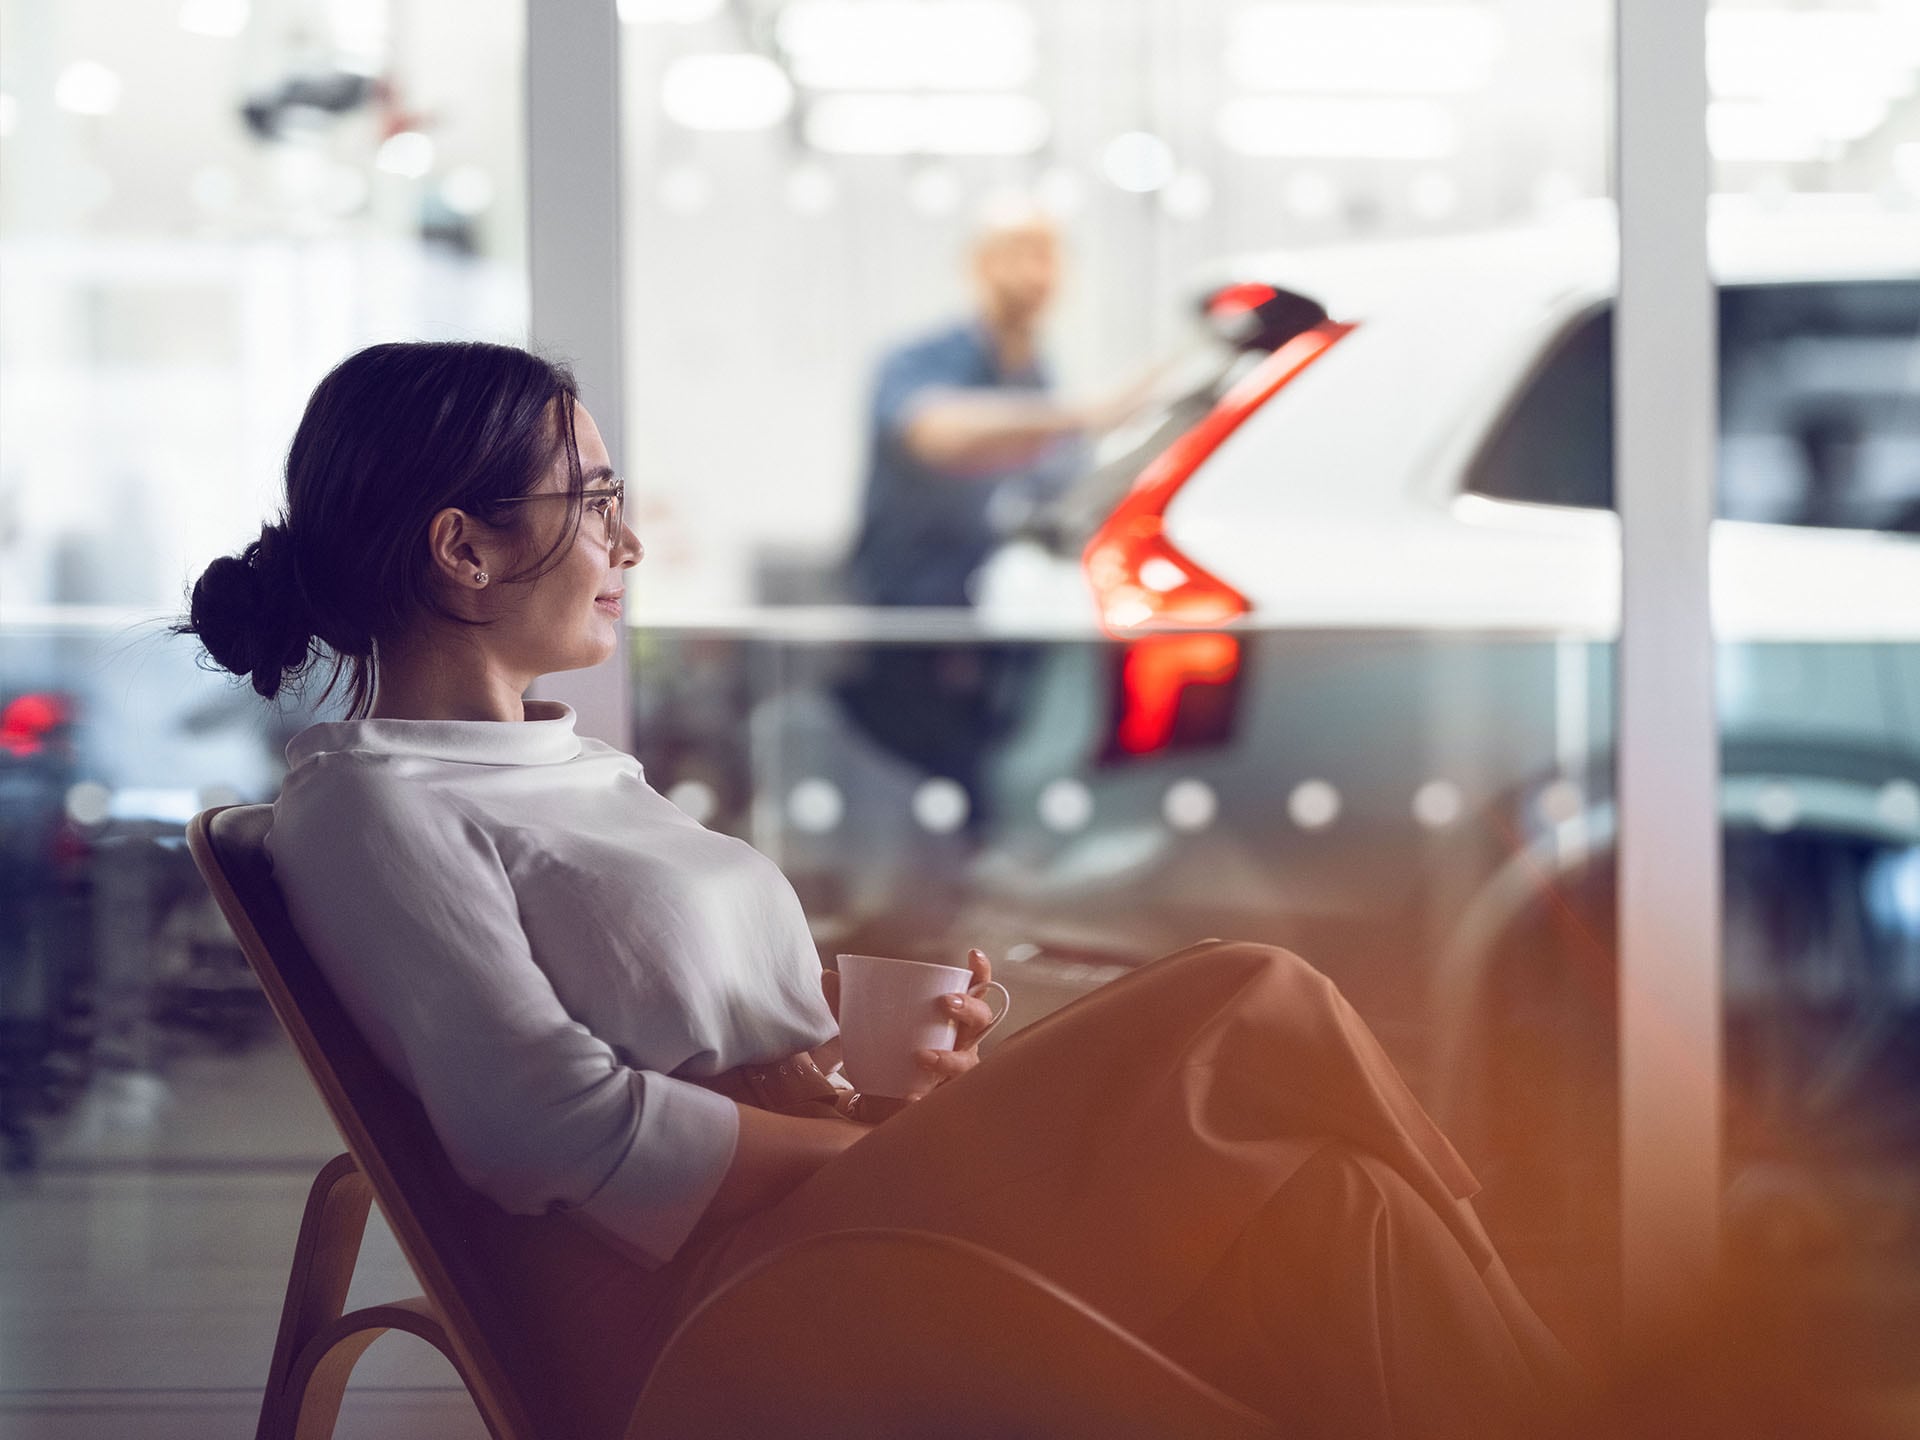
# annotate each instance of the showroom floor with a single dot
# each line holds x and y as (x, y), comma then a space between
(142, 1266)
(143, 1263)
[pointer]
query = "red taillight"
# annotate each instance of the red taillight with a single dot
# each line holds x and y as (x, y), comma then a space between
(1155, 677)
(28, 720)
(1138, 577)
(1238, 299)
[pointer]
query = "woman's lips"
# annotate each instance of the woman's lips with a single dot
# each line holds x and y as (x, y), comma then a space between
(609, 603)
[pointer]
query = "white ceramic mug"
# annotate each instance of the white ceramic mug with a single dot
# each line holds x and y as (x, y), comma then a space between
(889, 1009)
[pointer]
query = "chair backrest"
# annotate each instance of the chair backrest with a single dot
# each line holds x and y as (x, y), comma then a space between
(444, 1228)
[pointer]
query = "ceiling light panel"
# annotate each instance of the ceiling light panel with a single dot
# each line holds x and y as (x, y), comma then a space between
(905, 44)
(1758, 54)
(1345, 129)
(1363, 49)
(222, 19)
(87, 87)
(1782, 132)
(668, 12)
(726, 92)
(927, 124)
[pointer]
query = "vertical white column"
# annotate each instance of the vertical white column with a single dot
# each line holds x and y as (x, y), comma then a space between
(573, 245)
(1664, 431)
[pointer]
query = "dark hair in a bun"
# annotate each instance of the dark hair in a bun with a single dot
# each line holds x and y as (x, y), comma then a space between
(394, 435)
(241, 601)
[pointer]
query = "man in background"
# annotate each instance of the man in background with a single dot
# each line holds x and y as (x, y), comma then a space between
(967, 440)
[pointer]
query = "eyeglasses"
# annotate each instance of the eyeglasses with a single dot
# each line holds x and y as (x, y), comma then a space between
(607, 503)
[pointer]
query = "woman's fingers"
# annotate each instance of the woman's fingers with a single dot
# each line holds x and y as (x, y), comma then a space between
(972, 1014)
(946, 1063)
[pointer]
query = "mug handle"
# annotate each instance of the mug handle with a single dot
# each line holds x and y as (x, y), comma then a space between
(1006, 1004)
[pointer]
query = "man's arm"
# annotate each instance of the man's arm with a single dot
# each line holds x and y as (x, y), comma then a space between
(972, 433)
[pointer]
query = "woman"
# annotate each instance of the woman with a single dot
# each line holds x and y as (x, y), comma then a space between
(582, 985)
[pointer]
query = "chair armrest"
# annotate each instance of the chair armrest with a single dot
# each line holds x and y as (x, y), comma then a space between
(922, 1335)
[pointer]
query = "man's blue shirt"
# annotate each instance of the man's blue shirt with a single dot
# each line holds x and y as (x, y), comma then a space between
(924, 532)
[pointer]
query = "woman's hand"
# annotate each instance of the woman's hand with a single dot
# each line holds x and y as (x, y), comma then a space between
(971, 1015)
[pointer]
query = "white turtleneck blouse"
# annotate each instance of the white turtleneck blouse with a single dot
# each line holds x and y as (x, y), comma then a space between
(537, 944)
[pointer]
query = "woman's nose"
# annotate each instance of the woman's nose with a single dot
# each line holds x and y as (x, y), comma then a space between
(631, 551)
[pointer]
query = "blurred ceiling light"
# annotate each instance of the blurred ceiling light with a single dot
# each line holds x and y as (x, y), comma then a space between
(87, 87)
(409, 153)
(1846, 118)
(1337, 129)
(1743, 131)
(1784, 132)
(811, 189)
(1188, 196)
(935, 191)
(222, 19)
(1364, 49)
(1137, 161)
(1777, 53)
(904, 44)
(668, 12)
(927, 124)
(467, 190)
(685, 190)
(9, 114)
(726, 92)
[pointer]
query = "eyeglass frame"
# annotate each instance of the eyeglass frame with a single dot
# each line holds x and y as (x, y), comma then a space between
(616, 492)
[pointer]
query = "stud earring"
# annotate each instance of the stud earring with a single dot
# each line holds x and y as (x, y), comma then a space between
(479, 577)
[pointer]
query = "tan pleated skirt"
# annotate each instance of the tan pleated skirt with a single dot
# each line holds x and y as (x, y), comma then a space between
(1216, 1153)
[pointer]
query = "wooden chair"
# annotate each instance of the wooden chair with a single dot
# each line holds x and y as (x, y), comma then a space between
(1004, 1353)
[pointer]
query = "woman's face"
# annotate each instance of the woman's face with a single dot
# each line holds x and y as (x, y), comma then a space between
(569, 618)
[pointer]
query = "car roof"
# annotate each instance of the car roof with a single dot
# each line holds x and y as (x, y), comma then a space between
(1576, 254)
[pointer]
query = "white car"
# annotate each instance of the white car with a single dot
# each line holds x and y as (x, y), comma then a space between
(1344, 677)
(1442, 464)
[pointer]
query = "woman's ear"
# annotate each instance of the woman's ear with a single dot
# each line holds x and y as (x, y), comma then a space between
(463, 548)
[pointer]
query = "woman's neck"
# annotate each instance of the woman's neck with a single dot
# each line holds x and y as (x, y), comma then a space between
(443, 681)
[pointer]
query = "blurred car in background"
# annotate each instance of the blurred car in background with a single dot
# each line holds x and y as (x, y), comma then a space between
(1322, 653)
(1359, 690)
(113, 956)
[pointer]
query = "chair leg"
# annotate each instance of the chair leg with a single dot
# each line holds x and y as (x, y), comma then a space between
(309, 1405)
(317, 1346)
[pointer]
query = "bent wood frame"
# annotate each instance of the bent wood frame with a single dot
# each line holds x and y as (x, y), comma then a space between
(318, 1344)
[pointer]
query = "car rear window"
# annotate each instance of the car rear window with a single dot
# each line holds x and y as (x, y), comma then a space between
(1819, 410)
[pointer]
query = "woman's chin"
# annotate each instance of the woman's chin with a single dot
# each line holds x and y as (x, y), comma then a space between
(591, 651)
(609, 641)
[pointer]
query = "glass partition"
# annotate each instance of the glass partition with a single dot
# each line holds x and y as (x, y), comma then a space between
(1817, 606)
(1305, 638)
(203, 206)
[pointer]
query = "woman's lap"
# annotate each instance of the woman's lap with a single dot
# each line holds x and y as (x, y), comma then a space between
(1345, 1308)
(1124, 1145)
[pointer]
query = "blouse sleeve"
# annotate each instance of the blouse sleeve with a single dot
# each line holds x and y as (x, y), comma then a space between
(409, 913)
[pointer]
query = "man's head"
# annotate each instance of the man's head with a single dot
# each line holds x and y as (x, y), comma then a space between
(1016, 265)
